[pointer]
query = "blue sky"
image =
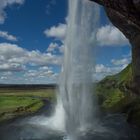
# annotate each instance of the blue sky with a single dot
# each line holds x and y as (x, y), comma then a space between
(32, 33)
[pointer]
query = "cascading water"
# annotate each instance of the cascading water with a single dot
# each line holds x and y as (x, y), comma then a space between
(76, 84)
(76, 108)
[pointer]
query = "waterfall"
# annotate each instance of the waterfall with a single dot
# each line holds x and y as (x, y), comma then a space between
(76, 108)
(76, 93)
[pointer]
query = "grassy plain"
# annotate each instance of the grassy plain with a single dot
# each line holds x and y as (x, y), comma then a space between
(17, 102)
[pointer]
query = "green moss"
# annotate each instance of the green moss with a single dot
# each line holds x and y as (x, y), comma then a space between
(115, 96)
(113, 89)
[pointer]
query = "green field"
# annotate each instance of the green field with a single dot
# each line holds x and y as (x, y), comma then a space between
(45, 93)
(17, 102)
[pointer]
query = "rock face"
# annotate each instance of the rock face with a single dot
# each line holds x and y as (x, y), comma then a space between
(125, 15)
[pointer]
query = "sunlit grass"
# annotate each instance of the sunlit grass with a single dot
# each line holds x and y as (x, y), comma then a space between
(17, 102)
(48, 93)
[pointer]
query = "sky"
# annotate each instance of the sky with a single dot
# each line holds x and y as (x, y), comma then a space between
(32, 34)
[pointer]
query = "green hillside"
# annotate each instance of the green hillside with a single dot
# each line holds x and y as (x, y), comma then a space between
(115, 95)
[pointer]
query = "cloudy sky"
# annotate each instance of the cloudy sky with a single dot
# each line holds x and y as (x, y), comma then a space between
(32, 33)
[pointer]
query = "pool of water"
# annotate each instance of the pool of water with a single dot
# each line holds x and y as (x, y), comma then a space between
(111, 127)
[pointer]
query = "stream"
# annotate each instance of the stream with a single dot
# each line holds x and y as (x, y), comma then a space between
(34, 127)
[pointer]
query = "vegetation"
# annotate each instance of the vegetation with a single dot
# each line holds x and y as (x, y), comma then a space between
(17, 102)
(112, 89)
(44, 93)
(11, 107)
(115, 95)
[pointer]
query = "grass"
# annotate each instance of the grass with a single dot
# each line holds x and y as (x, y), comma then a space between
(44, 93)
(116, 95)
(113, 89)
(9, 103)
(113, 99)
(13, 106)
(17, 102)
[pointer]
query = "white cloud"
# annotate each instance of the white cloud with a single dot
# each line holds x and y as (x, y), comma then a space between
(100, 68)
(123, 61)
(41, 73)
(9, 51)
(44, 68)
(110, 36)
(3, 78)
(7, 36)
(12, 67)
(52, 47)
(32, 66)
(58, 32)
(102, 71)
(106, 35)
(15, 58)
(4, 4)
(7, 73)
(37, 58)
(129, 55)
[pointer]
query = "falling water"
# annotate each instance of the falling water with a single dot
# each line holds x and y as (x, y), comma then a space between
(76, 85)
(76, 108)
